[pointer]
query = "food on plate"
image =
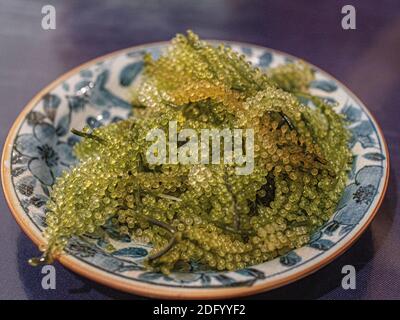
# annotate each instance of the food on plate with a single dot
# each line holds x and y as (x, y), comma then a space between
(206, 212)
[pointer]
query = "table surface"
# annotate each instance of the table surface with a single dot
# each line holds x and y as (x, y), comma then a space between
(366, 60)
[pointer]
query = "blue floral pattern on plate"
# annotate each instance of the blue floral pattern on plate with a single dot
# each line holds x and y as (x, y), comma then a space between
(48, 156)
(99, 94)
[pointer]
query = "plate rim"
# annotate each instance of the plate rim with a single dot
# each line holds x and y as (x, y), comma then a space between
(153, 290)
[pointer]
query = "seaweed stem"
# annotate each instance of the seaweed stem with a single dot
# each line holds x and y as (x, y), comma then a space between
(87, 135)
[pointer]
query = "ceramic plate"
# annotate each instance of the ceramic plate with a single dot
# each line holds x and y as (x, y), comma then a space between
(39, 145)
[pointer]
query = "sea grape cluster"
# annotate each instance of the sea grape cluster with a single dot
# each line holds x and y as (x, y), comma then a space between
(206, 212)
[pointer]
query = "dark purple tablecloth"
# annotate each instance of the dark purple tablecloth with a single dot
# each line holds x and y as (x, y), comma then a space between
(367, 60)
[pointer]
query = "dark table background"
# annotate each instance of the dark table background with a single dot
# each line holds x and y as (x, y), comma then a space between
(367, 60)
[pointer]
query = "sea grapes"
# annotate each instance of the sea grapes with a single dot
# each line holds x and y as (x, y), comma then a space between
(206, 213)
